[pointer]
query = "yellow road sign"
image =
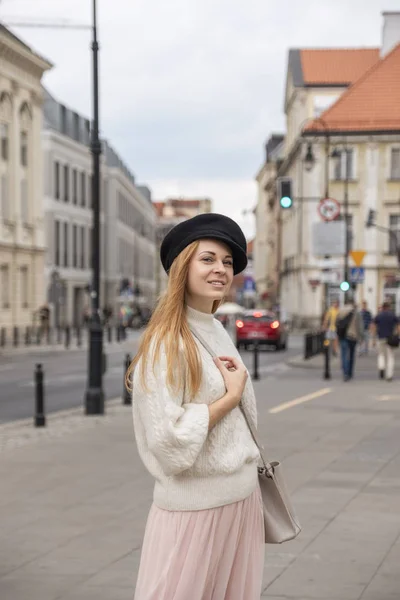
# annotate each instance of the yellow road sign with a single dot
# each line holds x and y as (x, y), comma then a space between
(358, 257)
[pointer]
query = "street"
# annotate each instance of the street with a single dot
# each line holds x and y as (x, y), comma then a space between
(75, 495)
(66, 375)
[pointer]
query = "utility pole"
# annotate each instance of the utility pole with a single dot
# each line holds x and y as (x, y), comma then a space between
(94, 395)
(346, 219)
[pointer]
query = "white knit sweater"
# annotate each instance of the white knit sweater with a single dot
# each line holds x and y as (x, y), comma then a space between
(195, 469)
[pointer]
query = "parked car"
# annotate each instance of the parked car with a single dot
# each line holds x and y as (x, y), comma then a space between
(261, 326)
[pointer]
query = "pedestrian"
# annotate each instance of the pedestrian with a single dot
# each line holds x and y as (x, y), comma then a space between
(367, 320)
(44, 317)
(385, 326)
(204, 537)
(329, 325)
(350, 330)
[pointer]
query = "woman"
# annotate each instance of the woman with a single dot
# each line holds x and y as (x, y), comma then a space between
(204, 537)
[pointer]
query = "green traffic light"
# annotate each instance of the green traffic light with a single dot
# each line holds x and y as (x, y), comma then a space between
(286, 202)
(345, 286)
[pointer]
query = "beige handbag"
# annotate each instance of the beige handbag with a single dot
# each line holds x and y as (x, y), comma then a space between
(280, 521)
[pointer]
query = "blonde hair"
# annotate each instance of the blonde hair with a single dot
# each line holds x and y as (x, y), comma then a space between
(168, 327)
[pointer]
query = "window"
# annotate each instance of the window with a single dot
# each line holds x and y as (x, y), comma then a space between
(74, 246)
(24, 286)
(57, 242)
(24, 148)
(395, 163)
(4, 141)
(4, 203)
(66, 183)
(65, 244)
(83, 188)
(63, 119)
(83, 249)
(350, 231)
(24, 202)
(74, 186)
(57, 180)
(5, 286)
(340, 165)
(394, 240)
(90, 198)
(76, 126)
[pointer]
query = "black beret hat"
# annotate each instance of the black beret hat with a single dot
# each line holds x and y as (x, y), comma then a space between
(205, 226)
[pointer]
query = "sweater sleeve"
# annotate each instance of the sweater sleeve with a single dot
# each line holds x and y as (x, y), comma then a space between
(175, 431)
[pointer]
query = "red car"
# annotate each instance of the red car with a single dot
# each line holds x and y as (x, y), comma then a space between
(263, 327)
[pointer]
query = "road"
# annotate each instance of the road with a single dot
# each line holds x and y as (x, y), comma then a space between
(66, 375)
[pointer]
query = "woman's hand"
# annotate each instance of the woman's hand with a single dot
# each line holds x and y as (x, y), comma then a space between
(235, 376)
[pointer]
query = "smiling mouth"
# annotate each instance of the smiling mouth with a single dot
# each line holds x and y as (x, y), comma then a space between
(219, 284)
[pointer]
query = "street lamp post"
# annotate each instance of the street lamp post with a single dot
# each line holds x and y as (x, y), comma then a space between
(337, 155)
(94, 395)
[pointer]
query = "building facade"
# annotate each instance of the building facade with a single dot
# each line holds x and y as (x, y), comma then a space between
(22, 244)
(267, 255)
(342, 142)
(125, 255)
(130, 237)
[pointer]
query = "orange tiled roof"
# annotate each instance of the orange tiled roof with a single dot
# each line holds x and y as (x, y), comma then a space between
(336, 66)
(372, 103)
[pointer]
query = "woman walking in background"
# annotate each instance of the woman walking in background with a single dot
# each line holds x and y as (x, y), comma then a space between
(204, 537)
(329, 325)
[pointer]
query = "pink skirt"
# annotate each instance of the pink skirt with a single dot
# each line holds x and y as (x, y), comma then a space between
(214, 554)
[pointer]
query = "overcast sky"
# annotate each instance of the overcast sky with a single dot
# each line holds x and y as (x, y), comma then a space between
(191, 89)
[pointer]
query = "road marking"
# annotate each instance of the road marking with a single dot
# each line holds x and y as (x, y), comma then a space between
(386, 398)
(301, 400)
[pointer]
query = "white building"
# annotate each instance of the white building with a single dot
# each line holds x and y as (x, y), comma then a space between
(339, 103)
(68, 205)
(21, 172)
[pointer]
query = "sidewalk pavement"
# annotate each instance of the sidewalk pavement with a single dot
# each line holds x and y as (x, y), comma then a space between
(364, 363)
(75, 498)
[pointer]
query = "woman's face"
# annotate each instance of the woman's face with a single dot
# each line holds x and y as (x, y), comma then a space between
(210, 275)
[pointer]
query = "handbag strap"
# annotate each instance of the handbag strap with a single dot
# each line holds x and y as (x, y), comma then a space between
(247, 417)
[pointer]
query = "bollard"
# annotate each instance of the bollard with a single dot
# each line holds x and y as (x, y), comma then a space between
(255, 362)
(78, 337)
(109, 334)
(15, 336)
(40, 419)
(126, 395)
(67, 336)
(27, 336)
(118, 333)
(3, 337)
(327, 361)
(307, 345)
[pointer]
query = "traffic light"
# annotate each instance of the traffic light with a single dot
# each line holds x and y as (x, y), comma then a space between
(345, 286)
(285, 192)
(371, 218)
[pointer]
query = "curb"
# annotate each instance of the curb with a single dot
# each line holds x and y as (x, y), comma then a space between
(57, 415)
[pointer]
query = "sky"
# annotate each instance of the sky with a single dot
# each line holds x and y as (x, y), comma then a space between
(190, 90)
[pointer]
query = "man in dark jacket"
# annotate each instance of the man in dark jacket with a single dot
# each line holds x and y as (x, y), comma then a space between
(350, 329)
(384, 326)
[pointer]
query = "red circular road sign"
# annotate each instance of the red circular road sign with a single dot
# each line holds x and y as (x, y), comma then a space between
(329, 209)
